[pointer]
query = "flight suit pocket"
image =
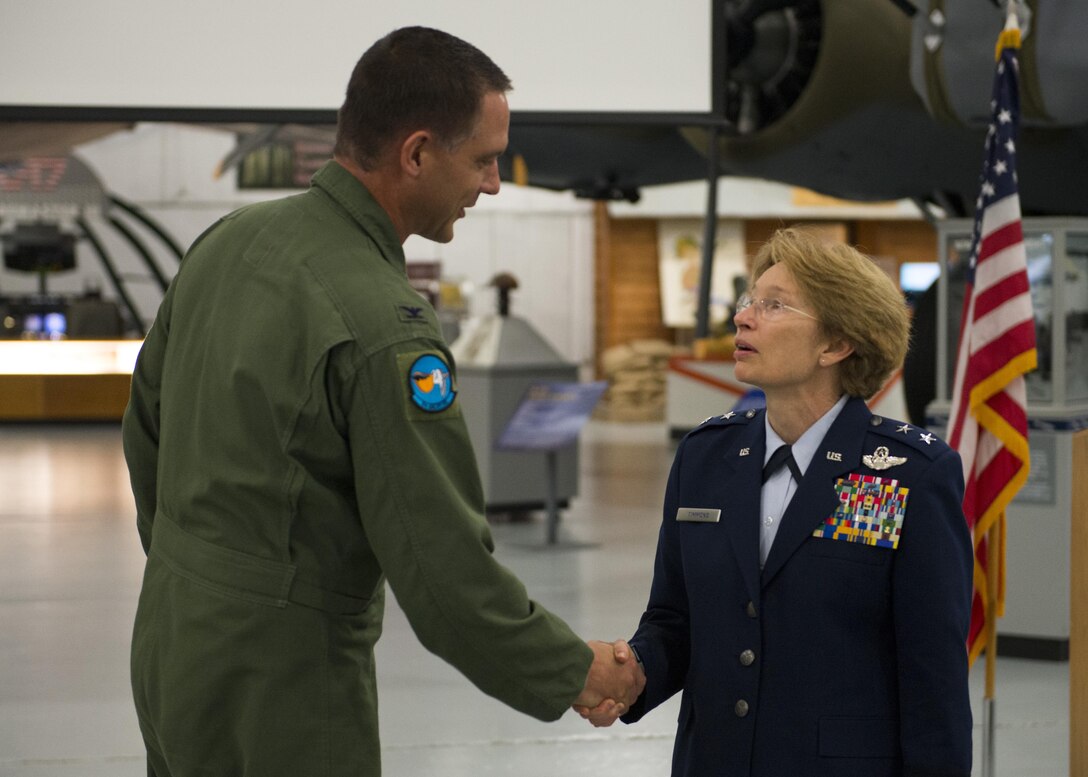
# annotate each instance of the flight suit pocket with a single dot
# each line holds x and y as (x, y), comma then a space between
(225, 570)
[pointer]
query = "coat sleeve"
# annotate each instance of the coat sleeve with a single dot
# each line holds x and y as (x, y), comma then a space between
(662, 640)
(421, 506)
(140, 423)
(932, 609)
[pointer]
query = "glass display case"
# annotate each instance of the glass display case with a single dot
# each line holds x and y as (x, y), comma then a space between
(1037, 605)
(1057, 260)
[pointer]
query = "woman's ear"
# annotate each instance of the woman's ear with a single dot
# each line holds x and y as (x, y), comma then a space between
(834, 352)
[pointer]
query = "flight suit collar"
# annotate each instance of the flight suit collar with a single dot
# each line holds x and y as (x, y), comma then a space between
(349, 193)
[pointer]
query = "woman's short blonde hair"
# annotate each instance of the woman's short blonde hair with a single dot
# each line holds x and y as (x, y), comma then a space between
(852, 298)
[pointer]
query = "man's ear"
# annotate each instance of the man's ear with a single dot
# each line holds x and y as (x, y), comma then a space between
(412, 152)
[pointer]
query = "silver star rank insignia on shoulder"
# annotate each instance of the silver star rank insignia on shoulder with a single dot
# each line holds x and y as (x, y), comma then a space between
(903, 429)
(880, 459)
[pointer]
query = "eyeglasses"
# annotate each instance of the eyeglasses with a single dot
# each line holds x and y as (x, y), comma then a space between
(770, 309)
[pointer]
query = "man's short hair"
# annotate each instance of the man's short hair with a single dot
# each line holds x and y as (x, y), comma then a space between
(414, 78)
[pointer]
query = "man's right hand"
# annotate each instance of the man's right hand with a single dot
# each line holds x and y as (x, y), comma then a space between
(614, 682)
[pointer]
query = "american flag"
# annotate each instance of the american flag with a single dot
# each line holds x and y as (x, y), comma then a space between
(989, 425)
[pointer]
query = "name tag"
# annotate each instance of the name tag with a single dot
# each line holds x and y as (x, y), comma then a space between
(698, 514)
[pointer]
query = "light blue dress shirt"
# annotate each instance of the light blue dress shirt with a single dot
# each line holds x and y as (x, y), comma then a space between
(780, 487)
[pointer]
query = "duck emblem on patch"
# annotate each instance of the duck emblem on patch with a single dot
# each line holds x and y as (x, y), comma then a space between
(430, 384)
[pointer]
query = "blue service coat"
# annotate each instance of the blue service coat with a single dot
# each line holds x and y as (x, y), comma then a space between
(837, 658)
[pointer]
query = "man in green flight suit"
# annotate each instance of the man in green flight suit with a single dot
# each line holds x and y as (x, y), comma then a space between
(294, 440)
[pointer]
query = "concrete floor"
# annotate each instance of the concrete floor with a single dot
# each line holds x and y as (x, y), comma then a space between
(70, 566)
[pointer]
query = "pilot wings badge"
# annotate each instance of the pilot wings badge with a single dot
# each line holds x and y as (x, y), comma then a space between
(881, 460)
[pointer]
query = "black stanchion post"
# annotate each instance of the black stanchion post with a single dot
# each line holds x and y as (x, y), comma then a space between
(553, 501)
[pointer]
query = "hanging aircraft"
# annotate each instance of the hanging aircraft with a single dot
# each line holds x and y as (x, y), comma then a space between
(859, 99)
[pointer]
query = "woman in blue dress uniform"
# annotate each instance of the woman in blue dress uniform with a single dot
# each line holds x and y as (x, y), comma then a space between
(815, 624)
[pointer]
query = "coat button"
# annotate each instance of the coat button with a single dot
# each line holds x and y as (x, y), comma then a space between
(747, 658)
(876, 420)
(741, 708)
(751, 609)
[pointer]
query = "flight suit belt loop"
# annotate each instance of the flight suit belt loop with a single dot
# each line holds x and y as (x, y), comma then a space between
(242, 575)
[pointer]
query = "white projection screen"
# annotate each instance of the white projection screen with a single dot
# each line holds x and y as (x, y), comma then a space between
(199, 55)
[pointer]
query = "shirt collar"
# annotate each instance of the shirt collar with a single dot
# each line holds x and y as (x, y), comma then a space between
(348, 192)
(805, 448)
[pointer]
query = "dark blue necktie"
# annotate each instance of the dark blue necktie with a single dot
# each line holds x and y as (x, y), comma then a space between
(783, 456)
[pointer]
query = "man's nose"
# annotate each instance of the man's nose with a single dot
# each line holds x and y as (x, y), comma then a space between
(491, 181)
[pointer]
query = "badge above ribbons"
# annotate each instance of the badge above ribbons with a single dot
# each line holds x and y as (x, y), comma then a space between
(871, 511)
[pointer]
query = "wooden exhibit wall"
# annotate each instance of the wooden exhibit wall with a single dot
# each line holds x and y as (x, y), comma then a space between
(1078, 616)
(627, 285)
(627, 281)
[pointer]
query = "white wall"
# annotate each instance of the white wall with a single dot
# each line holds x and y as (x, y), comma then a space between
(562, 55)
(545, 239)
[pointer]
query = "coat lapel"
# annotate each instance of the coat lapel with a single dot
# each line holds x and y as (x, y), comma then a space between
(744, 463)
(815, 498)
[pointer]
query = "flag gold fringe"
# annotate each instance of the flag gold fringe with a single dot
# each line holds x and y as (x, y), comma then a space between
(1009, 39)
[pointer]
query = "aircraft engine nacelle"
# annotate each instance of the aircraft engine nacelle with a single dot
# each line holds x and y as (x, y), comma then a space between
(818, 94)
(952, 61)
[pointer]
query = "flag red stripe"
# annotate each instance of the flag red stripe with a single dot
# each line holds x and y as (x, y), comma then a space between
(960, 406)
(992, 480)
(999, 239)
(1011, 410)
(985, 362)
(1007, 288)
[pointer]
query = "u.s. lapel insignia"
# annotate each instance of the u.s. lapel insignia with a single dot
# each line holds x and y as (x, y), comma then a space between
(745, 451)
(834, 456)
(881, 460)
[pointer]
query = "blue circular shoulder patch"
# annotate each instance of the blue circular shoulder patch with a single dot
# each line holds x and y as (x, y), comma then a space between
(430, 383)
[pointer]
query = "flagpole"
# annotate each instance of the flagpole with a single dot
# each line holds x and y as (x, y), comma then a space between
(994, 538)
(989, 701)
(989, 404)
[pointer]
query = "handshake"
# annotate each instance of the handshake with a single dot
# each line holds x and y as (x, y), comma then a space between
(614, 682)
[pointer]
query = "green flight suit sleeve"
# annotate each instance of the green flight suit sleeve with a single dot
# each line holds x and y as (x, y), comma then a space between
(140, 423)
(421, 505)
